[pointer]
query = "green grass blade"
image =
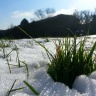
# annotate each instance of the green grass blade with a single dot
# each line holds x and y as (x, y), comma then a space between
(8, 93)
(17, 89)
(25, 32)
(48, 53)
(9, 53)
(91, 51)
(26, 65)
(31, 88)
(8, 65)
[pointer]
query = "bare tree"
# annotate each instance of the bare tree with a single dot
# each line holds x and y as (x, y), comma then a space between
(40, 14)
(49, 11)
(84, 16)
(87, 15)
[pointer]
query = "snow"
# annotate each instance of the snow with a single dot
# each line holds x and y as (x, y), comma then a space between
(35, 56)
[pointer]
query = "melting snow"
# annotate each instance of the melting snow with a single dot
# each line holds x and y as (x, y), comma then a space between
(36, 58)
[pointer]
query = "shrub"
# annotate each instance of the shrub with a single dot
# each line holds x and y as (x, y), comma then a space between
(71, 60)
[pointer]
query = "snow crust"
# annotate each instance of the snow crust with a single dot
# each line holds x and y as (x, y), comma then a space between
(35, 56)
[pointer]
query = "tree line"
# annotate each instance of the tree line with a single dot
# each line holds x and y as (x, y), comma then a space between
(48, 25)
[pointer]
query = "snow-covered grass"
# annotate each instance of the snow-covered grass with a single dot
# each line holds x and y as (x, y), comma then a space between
(33, 69)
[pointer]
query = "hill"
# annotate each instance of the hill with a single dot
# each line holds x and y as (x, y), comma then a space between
(56, 26)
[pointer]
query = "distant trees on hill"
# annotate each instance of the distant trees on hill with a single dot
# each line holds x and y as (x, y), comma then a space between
(84, 16)
(42, 14)
(56, 26)
(87, 20)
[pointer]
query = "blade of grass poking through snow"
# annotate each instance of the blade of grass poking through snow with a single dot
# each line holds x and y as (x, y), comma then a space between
(91, 52)
(70, 31)
(26, 65)
(17, 59)
(9, 53)
(8, 65)
(48, 53)
(25, 32)
(31, 88)
(3, 45)
(8, 93)
(11, 89)
(17, 89)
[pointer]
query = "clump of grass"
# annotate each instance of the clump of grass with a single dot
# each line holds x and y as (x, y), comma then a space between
(3, 45)
(5, 42)
(70, 61)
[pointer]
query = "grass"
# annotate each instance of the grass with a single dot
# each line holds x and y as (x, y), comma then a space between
(17, 58)
(3, 45)
(31, 88)
(8, 65)
(71, 60)
(11, 89)
(26, 65)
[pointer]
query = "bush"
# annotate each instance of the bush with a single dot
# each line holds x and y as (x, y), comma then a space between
(71, 60)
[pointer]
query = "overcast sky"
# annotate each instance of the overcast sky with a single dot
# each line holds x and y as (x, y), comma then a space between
(13, 11)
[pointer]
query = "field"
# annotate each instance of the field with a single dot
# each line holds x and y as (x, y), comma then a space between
(25, 60)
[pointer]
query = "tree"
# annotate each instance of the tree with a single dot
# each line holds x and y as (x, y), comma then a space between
(84, 16)
(49, 11)
(40, 14)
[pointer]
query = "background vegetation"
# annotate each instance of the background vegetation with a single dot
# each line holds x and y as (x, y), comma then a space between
(48, 25)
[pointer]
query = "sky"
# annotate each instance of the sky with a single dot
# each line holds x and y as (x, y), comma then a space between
(13, 11)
